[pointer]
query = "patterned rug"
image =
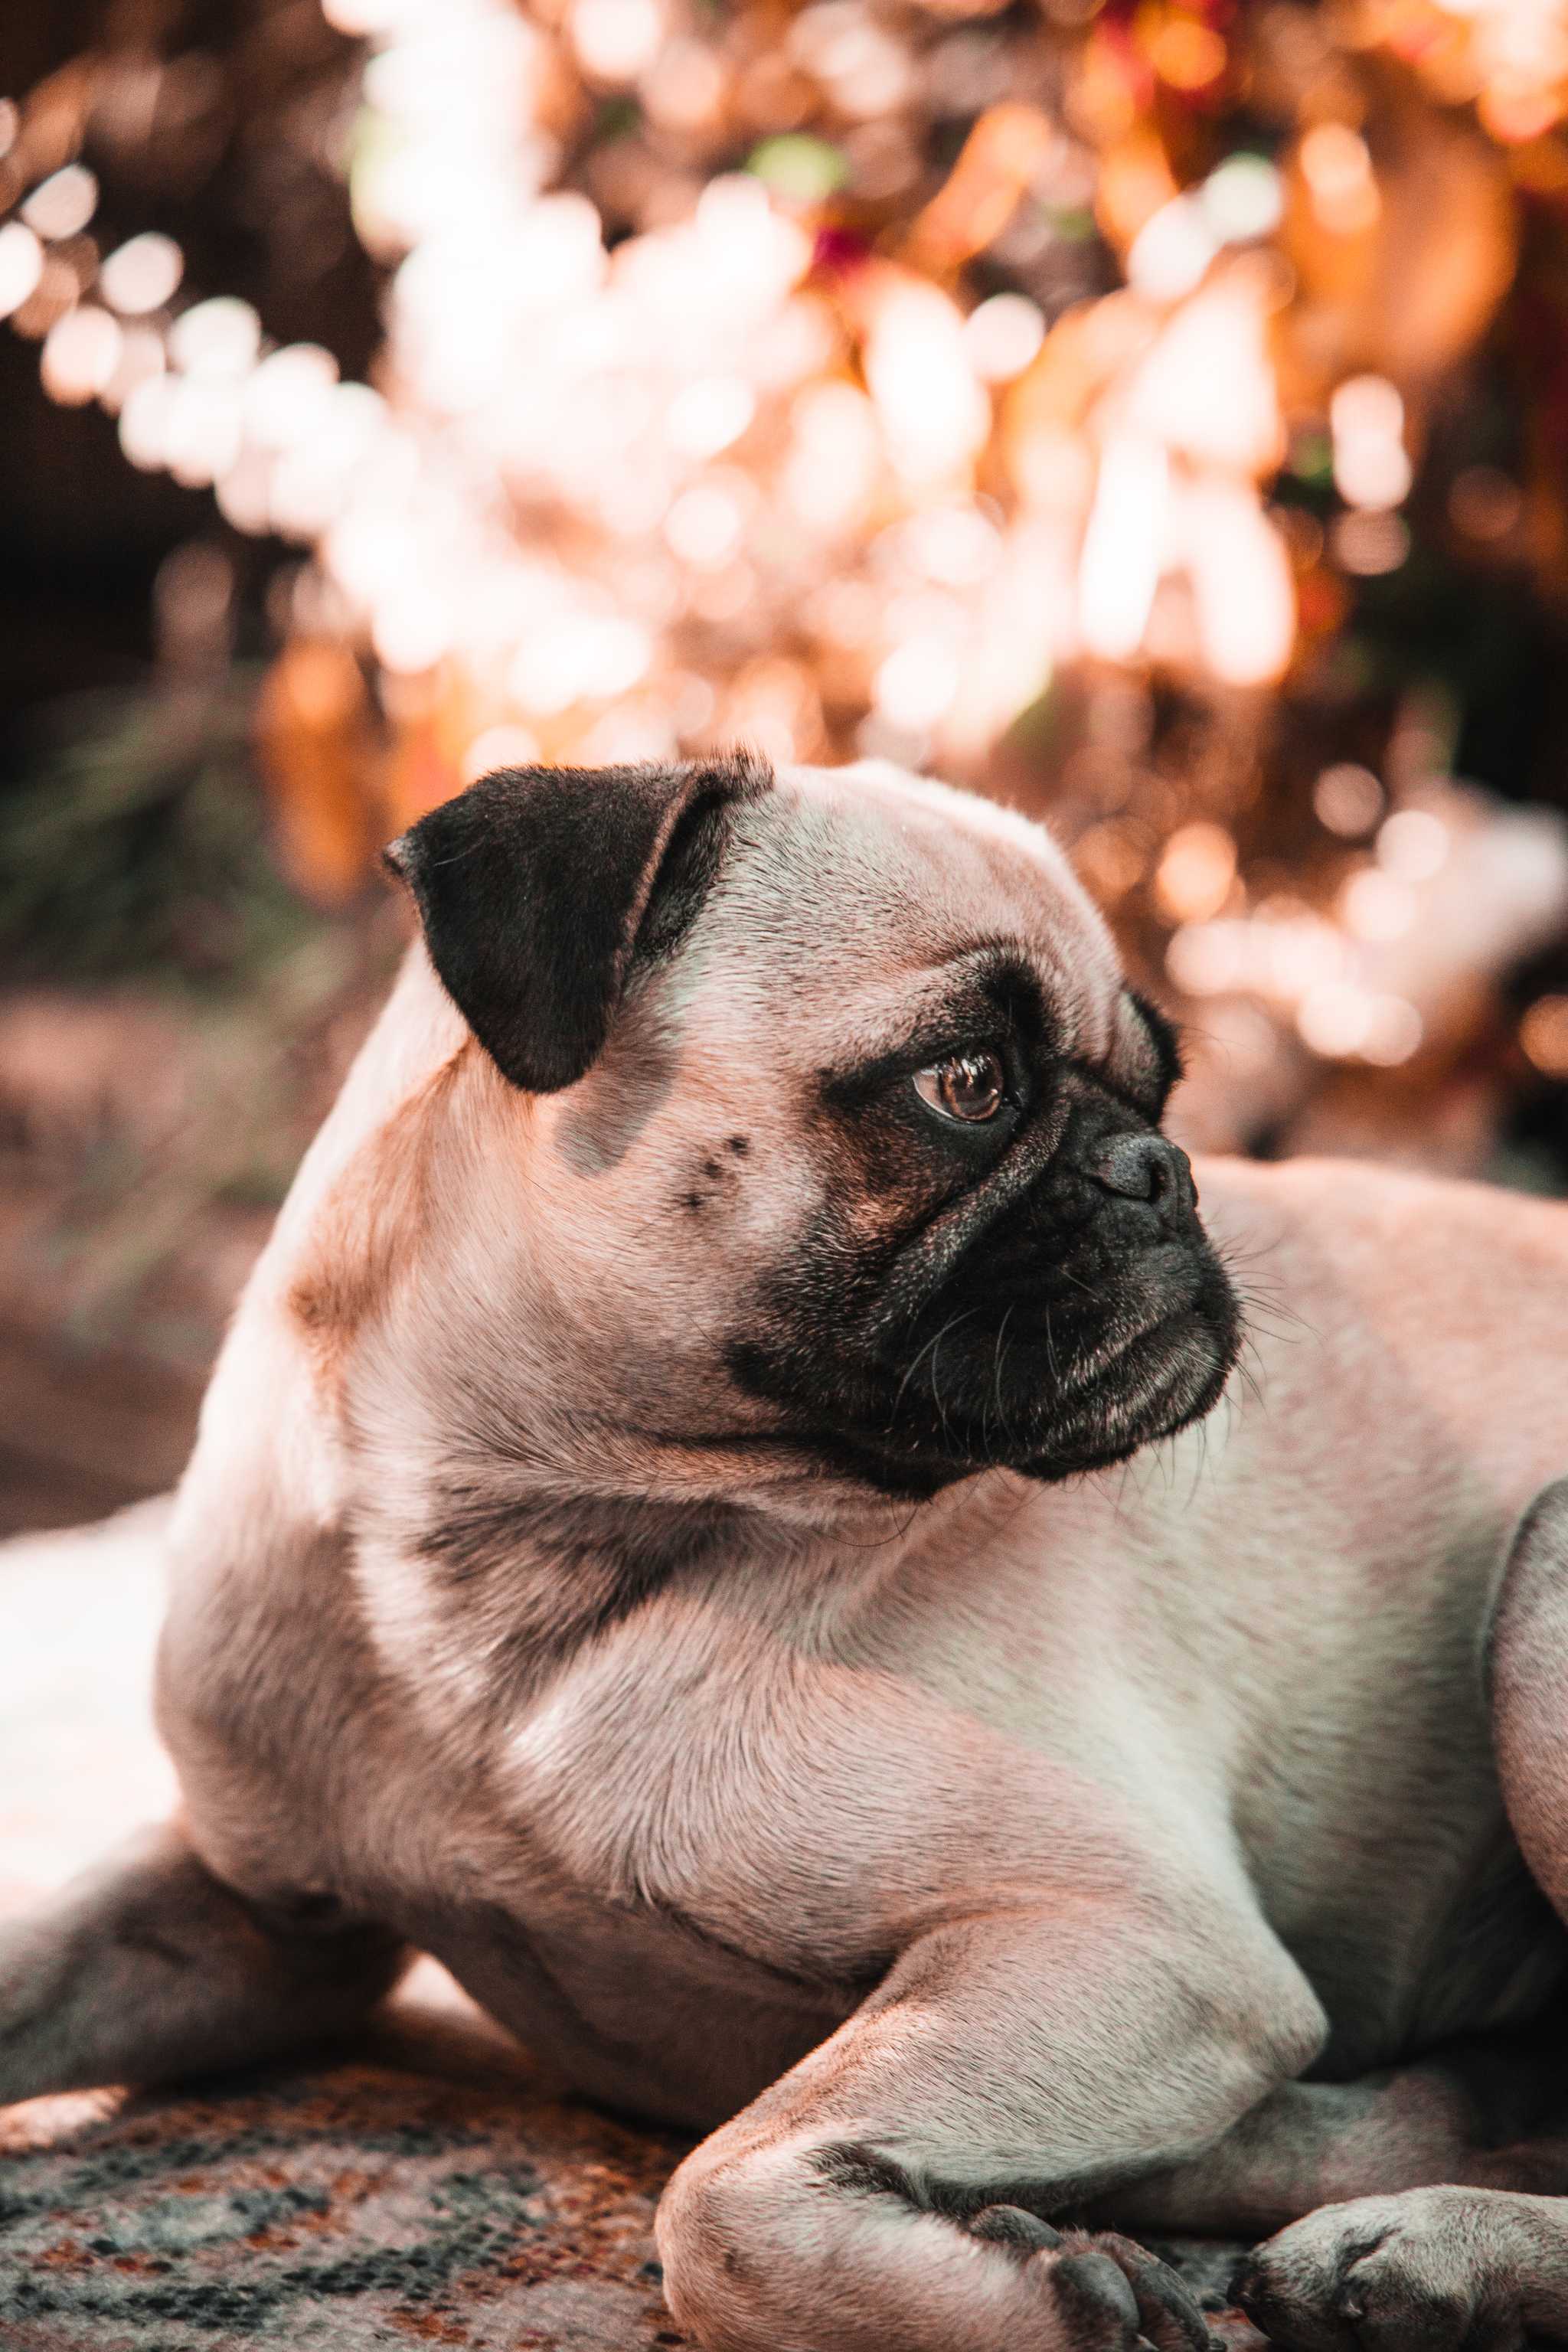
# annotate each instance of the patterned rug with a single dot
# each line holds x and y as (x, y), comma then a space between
(415, 2189)
(352, 2207)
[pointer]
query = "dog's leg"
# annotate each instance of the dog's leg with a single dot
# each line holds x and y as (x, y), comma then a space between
(1490, 2113)
(146, 1969)
(889, 2194)
(1447, 2265)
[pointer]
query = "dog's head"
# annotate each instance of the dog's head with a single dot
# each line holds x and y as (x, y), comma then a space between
(837, 1127)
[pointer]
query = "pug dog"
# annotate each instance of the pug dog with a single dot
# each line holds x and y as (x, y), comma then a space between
(735, 1513)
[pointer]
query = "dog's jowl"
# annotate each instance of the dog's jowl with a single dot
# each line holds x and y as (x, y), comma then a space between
(734, 1514)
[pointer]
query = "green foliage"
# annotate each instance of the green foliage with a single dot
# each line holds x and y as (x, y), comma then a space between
(134, 844)
(799, 168)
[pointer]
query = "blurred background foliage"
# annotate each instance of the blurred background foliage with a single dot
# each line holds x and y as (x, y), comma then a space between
(1155, 413)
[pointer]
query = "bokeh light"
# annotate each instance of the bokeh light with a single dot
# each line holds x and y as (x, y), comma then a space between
(1065, 404)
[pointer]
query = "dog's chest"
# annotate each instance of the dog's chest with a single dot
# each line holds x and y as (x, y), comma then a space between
(640, 2009)
(779, 1806)
(802, 1811)
(694, 1861)
(699, 1853)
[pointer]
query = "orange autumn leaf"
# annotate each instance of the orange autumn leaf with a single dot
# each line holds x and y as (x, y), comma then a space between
(319, 762)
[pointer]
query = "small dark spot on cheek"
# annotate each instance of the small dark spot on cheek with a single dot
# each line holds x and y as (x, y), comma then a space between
(713, 1179)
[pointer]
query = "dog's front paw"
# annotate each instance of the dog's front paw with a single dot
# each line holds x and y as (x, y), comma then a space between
(1105, 2293)
(1428, 2271)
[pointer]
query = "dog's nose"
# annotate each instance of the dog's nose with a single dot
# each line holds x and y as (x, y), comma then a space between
(1147, 1167)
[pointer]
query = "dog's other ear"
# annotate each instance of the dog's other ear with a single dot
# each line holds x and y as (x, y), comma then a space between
(536, 886)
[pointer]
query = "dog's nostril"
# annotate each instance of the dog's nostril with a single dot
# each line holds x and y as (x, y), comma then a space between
(1145, 1168)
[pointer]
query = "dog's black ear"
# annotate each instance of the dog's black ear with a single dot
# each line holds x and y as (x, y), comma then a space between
(537, 884)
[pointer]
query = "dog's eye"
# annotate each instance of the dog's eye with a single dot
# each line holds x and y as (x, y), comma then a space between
(970, 1087)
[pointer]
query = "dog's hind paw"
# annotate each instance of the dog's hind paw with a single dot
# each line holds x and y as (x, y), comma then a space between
(1431, 2270)
(1108, 2294)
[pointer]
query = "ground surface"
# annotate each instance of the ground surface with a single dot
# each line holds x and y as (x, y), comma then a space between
(415, 2191)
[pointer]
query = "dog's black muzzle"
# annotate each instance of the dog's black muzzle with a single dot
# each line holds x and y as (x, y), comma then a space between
(1061, 1313)
(1081, 1315)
